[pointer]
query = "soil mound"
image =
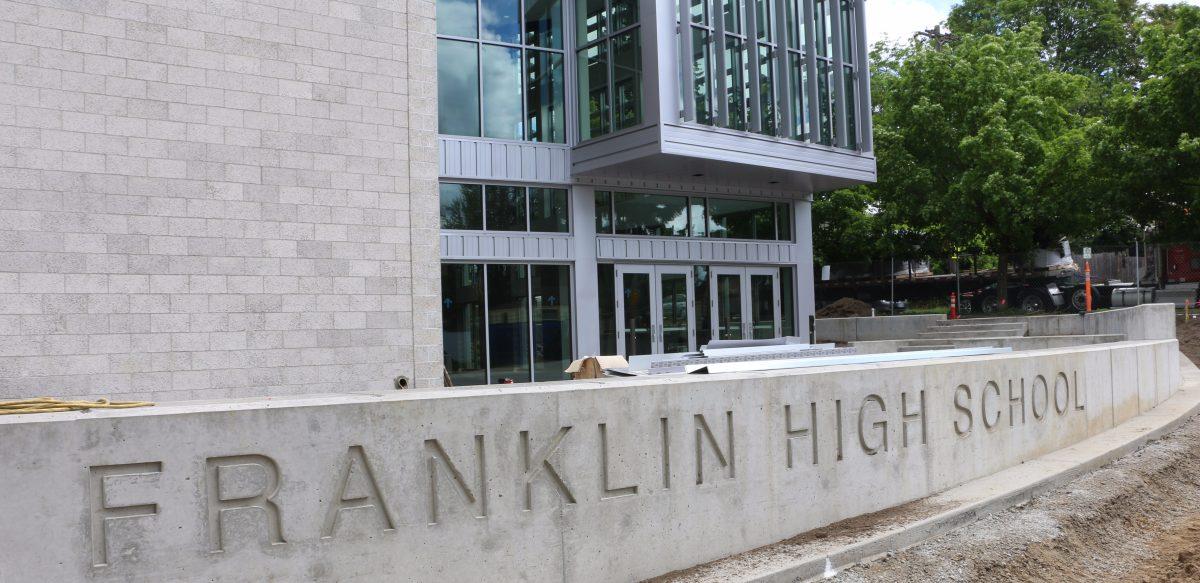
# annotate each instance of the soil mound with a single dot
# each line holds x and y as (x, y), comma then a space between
(845, 308)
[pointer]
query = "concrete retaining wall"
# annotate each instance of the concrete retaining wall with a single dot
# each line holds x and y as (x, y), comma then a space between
(610, 480)
(1013, 342)
(878, 328)
(1147, 322)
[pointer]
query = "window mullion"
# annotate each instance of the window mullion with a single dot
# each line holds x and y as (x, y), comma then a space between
(487, 335)
(752, 81)
(839, 75)
(529, 304)
(721, 103)
(783, 77)
(687, 62)
(810, 63)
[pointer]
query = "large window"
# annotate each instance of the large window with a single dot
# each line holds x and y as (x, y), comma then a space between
(671, 215)
(770, 66)
(500, 69)
(506, 322)
(494, 207)
(609, 66)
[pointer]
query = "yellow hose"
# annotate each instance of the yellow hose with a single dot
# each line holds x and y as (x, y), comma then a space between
(52, 405)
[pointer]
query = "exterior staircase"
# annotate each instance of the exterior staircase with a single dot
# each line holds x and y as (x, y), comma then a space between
(940, 336)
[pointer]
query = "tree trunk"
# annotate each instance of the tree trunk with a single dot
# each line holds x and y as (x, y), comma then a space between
(1002, 287)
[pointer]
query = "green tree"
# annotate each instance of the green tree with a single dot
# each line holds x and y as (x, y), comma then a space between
(1153, 147)
(1088, 37)
(980, 142)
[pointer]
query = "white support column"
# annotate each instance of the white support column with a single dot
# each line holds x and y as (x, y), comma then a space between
(806, 300)
(586, 292)
(660, 61)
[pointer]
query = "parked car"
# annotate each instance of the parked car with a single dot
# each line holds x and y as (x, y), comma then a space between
(883, 306)
(1030, 299)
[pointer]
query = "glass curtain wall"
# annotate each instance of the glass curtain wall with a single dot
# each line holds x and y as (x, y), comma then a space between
(796, 78)
(500, 69)
(667, 215)
(609, 66)
(494, 207)
(506, 322)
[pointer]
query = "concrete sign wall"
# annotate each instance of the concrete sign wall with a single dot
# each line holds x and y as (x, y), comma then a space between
(583, 481)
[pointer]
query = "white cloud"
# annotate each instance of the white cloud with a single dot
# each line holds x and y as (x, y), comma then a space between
(897, 20)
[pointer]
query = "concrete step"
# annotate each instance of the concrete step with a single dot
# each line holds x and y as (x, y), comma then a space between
(912, 348)
(978, 327)
(978, 321)
(996, 333)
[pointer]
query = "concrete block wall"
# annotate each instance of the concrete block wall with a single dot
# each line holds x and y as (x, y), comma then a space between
(217, 199)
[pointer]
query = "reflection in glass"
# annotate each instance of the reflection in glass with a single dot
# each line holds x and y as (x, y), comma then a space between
(457, 18)
(627, 79)
(551, 321)
(787, 301)
(701, 68)
(764, 11)
(463, 340)
(502, 86)
(851, 117)
(508, 322)
(821, 37)
(593, 92)
(650, 214)
(825, 101)
(544, 97)
(604, 222)
(501, 20)
(698, 226)
(703, 308)
(624, 13)
(543, 24)
(674, 296)
(799, 95)
(795, 28)
(783, 221)
(592, 20)
(735, 98)
(699, 11)
(635, 290)
(729, 307)
(847, 31)
(766, 89)
(548, 210)
(741, 219)
(458, 88)
(733, 16)
(608, 308)
(505, 208)
(762, 306)
(462, 206)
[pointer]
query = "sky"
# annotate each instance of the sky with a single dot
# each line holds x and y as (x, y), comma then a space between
(899, 19)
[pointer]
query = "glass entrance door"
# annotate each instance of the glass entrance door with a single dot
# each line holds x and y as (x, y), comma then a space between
(745, 303)
(655, 309)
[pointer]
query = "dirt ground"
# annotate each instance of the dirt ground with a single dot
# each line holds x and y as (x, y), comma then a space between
(1137, 519)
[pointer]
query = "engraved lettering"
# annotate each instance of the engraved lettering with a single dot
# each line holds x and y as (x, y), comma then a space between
(367, 496)
(1013, 418)
(103, 510)
(606, 489)
(666, 454)
(990, 388)
(704, 434)
(1033, 401)
(837, 406)
(539, 464)
(440, 463)
(1078, 402)
(906, 417)
(1061, 409)
(881, 425)
(794, 433)
(225, 471)
(964, 409)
